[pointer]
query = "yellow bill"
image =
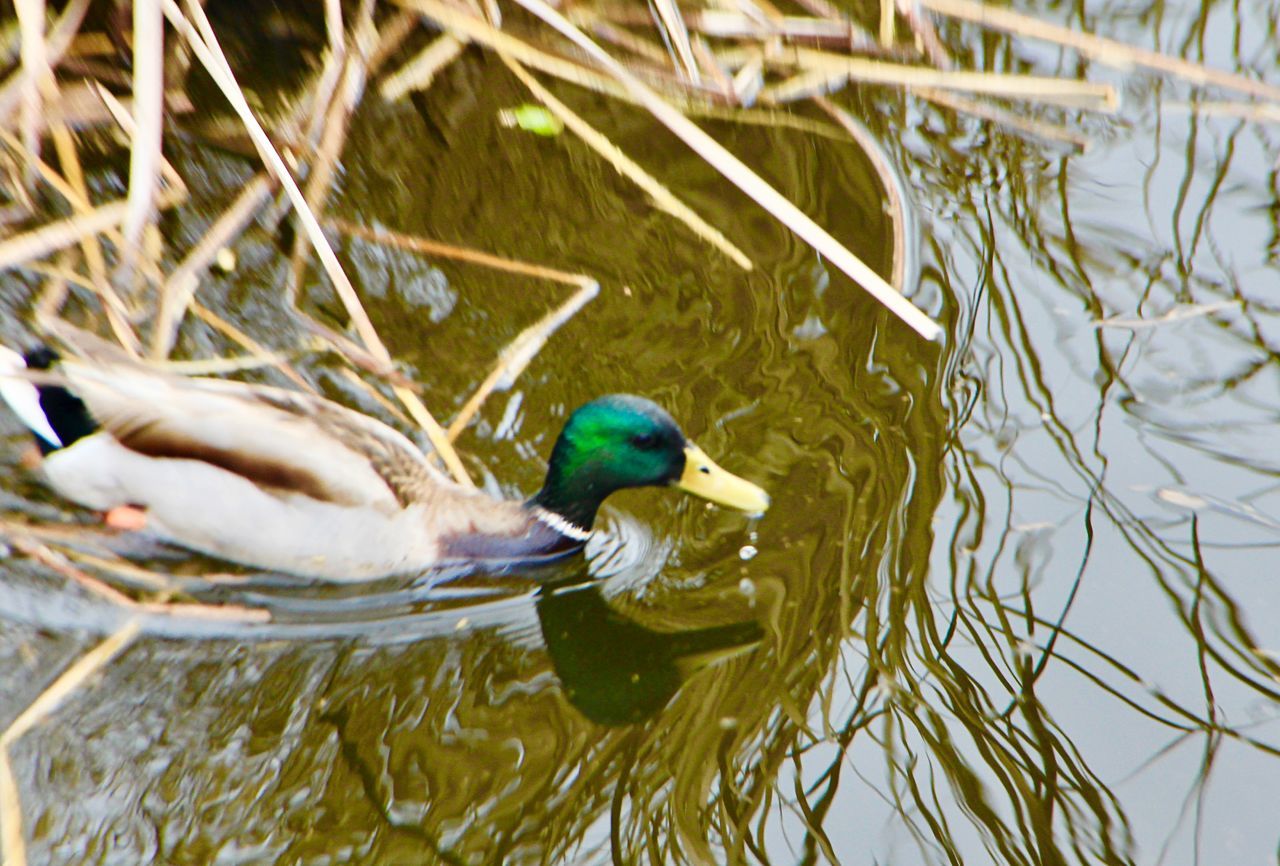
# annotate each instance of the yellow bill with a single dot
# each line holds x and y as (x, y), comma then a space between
(702, 477)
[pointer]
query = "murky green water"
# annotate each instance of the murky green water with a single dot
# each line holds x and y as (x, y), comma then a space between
(1014, 601)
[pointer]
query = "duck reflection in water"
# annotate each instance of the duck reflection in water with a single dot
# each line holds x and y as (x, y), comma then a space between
(616, 671)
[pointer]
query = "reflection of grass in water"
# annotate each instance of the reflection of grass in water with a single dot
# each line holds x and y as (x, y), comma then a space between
(1003, 230)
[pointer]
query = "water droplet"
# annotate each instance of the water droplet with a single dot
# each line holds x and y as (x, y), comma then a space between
(748, 551)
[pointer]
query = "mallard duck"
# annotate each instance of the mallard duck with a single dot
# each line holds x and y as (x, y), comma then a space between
(291, 482)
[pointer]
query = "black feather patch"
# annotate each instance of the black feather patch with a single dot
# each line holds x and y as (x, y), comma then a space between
(66, 412)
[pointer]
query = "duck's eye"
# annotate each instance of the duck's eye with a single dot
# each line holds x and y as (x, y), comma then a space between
(645, 441)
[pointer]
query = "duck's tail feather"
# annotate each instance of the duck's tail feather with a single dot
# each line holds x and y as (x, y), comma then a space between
(56, 416)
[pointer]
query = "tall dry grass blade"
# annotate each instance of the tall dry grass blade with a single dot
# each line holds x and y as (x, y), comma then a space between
(148, 114)
(56, 235)
(677, 37)
(625, 39)
(35, 69)
(513, 360)
(333, 25)
(52, 296)
(13, 843)
(661, 196)
(69, 159)
(748, 81)
(1108, 52)
(242, 339)
(180, 287)
(711, 151)
(55, 43)
(419, 72)
(71, 679)
(826, 71)
(717, 74)
(391, 37)
(116, 312)
(204, 43)
(56, 562)
(729, 24)
(375, 395)
(523, 348)
(449, 251)
(926, 34)
(124, 119)
(334, 130)
(210, 55)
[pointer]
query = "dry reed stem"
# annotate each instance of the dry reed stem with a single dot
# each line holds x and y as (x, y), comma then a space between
(52, 296)
(375, 395)
(124, 119)
(207, 612)
(711, 66)
(824, 72)
(205, 45)
(391, 37)
(53, 236)
(13, 844)
(748, 81)
(625, 39)
(58, 562)
(887, 22)
(403, 241)
(71, 679)
(255, 348)
(352, 351)
(35, 69)
(926, 34)
(148, 115)
(420, 71)
(78, 106)
(326, 85)
(55, 44)
(436, 433)
(218, 366)
(180, 288)
(333, 25)
(12, 840)
(624, 165)
(513, 360)
(1027, 125)
(824, 9)
(676, 36)
(1108, 52)
(706, 147)
(117, 314)
(134, 576)
(728, 24)
(334, 131)
(522, 349)
(69, 159)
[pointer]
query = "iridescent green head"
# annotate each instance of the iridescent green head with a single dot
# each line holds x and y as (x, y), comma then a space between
(623, 441)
